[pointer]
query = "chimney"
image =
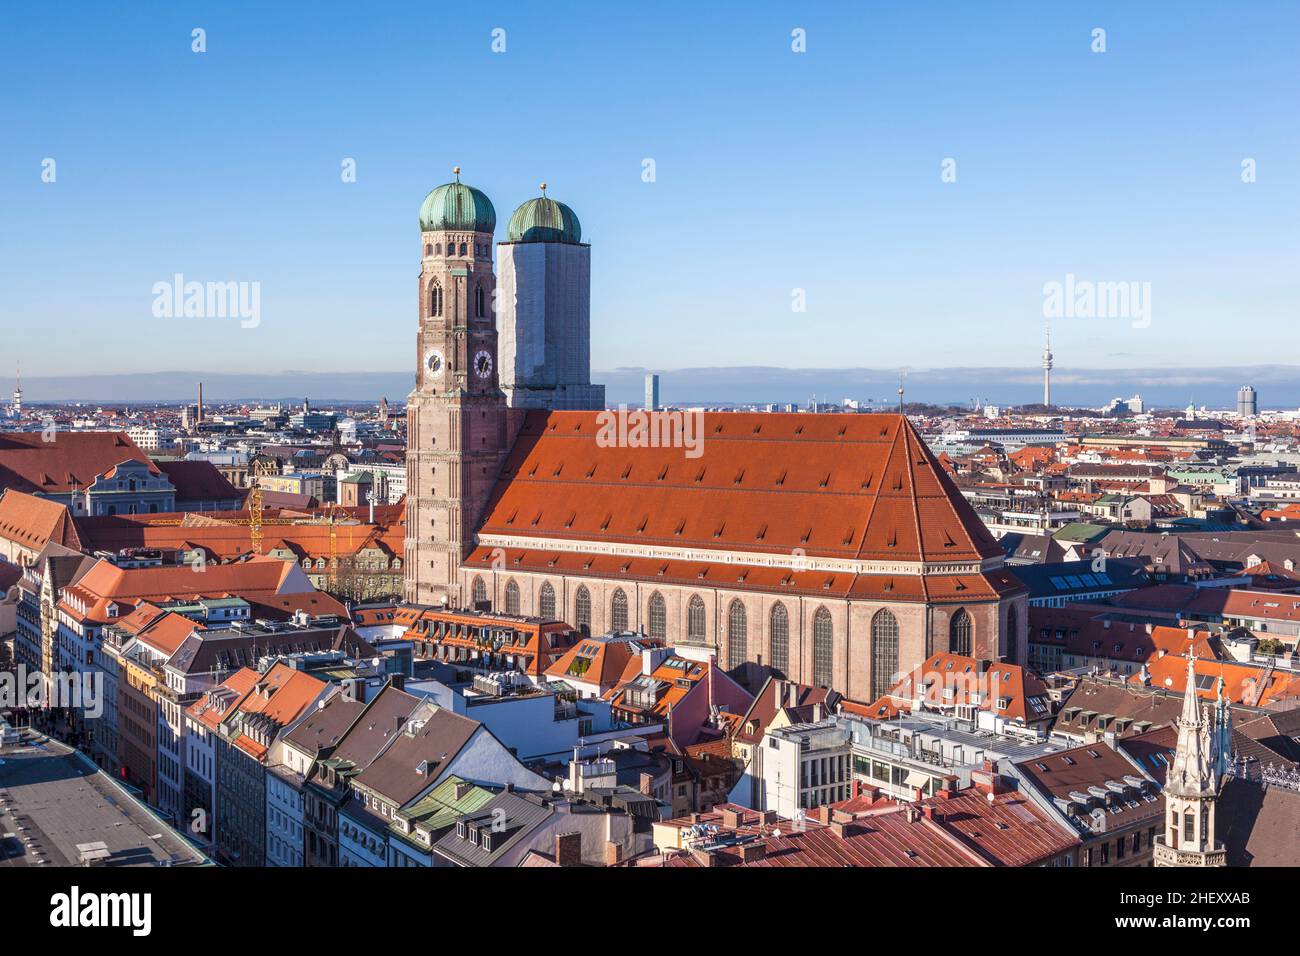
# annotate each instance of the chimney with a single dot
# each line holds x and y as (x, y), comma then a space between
(568, 848)
(730, 818)
(840, 830)
(199, 417)
(703, 857)
(397, 681)
(751, 852)
(463, 788)
(613, 853)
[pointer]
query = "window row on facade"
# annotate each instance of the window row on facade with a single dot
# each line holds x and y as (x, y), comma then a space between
(884, 630)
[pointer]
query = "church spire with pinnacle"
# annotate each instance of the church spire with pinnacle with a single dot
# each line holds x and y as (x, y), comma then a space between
(1192, 784)
(1193, 772)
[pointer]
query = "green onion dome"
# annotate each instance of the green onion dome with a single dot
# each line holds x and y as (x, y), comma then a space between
(455, 206)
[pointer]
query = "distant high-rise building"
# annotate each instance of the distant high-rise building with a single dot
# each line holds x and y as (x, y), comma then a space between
(18, 393)
(652, 393)
(1247, 402)
(544, 309)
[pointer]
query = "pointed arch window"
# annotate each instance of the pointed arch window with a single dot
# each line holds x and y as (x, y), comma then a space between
(960, 632)
(435, 299)
(737, 649)
(582, 610)
(479, 590)
(546, 601)
(480, 309)
(779, 628)
(512, 597)
(618, 611)
(823, 648)
(884, 653)
(695, 620)
(1013, 635)
(657, 614)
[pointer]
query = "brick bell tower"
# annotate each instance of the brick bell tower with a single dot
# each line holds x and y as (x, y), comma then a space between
(456, 416)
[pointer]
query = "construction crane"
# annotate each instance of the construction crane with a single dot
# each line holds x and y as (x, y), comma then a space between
(255, 516)
(334, 553)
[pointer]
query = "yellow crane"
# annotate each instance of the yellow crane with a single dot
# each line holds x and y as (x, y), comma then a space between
(255, 516)
(334, 553)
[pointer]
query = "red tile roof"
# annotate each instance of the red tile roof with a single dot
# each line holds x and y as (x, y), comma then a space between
(32, 522)
(106, 584)
(846, 486)
(1253, 685)
(72, 461)
(1008, 690)
(224, 535)
(163, 630)
(1006, 831)
(884, 839)
(200, 480)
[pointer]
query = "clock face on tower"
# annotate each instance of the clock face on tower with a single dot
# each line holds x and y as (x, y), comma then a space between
(433, 362)
(483, 364)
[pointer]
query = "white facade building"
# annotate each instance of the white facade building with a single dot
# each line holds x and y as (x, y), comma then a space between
(544, 310)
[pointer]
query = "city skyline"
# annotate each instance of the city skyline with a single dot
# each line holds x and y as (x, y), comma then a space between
(1091, 166)
(1214, 388)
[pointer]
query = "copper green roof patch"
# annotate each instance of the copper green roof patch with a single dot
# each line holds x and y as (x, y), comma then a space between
(544, 220)
(440, 807)
(455, 206)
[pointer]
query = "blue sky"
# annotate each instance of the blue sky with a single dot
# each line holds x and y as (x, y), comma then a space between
(775, 171)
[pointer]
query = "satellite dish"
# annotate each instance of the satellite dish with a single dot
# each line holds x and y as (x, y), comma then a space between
(777, 833)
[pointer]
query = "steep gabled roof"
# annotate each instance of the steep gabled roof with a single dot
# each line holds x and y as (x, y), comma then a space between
(859, 487)
(418, 755)
(71, 461)
(106, 583)
(33, 522)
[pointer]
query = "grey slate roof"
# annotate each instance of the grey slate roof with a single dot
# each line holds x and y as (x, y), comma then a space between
(396, 775)
(508, 818)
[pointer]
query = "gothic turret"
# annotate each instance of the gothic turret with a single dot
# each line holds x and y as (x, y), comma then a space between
(1192, 784)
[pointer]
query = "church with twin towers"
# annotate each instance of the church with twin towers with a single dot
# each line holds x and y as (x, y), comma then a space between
(832, 549)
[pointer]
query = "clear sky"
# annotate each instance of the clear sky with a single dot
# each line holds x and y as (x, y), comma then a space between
(775, 171)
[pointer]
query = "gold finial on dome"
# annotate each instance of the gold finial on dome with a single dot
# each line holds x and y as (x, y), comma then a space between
(543, 188)
(456, 171)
